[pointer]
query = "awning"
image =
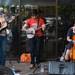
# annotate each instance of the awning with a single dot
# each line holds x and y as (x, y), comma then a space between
(37, 2)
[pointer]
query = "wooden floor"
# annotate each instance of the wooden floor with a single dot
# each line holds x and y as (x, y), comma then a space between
(23, 68)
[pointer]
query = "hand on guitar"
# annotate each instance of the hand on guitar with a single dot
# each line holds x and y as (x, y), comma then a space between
(30, 32)
(73, 41)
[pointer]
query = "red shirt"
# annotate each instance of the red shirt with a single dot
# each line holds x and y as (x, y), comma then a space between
(33, 21)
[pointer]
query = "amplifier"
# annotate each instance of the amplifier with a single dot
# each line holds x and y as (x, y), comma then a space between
(61, 68)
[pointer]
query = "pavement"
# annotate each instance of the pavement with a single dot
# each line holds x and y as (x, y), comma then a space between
(23, 68)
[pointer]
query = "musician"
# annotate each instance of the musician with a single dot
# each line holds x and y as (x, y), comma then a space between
(34, 43)
(3, 26)
(71, 42)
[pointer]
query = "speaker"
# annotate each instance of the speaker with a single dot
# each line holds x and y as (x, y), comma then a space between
(5, 70)
(61, 68)
(50, 50)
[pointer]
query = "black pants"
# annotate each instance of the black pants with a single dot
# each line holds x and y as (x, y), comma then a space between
(35, 46)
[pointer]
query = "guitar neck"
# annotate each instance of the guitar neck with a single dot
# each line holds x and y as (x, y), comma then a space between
(41, 27)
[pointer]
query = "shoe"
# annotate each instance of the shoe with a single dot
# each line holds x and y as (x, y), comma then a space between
(32, 66)
(61, 58)
(37, 65)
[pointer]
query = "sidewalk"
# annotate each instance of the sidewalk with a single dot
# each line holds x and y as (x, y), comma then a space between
(23, 68)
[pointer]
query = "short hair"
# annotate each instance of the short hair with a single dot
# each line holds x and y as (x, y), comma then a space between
(34, 12)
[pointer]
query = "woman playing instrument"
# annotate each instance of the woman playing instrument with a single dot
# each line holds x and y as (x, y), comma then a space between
(71, 43)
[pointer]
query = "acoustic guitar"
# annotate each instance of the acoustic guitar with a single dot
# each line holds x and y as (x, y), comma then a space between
(30, 32)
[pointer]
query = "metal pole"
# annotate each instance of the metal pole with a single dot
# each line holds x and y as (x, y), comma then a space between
(56, 27)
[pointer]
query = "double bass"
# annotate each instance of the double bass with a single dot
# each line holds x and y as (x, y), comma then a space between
(72, 52)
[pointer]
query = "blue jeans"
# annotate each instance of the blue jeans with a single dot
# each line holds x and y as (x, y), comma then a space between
(2, 49)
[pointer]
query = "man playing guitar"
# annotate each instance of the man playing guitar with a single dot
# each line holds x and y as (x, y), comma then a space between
(35, 39)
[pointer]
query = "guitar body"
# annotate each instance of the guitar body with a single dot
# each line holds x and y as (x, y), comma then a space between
(30, 32)
(72, 53)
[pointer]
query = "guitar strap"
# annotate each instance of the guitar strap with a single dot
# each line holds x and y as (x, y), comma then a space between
(38, 22)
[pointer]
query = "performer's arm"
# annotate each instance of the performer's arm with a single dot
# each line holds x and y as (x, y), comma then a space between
(24, 27)
(69, 39)
(4, 24)
(11, 19)
(43, 24)
(69, 34)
